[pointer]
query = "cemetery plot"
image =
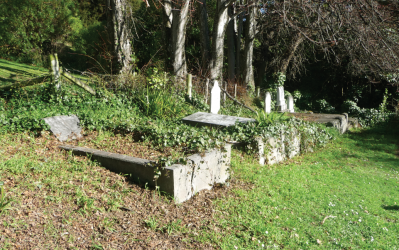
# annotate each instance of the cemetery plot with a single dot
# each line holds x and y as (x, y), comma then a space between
(182, 181)
(339, 121)
(209, 119)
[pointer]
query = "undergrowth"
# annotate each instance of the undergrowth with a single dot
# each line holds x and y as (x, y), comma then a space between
(152, 113)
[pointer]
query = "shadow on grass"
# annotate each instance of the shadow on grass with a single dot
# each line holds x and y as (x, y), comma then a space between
(392, 208)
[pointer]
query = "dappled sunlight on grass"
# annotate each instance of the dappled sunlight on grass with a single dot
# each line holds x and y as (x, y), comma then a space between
(341, 196)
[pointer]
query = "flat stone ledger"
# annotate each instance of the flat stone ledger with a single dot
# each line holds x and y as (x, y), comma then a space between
(339, 121)
(208, 119)
(64, 127)
(202, 171)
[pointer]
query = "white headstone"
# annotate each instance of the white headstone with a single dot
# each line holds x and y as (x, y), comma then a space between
(215, 98)
(281, 105)
(268, 103)
(291, 104)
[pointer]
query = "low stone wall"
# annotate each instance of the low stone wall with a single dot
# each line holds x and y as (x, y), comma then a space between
(274, 150)
(202, 171)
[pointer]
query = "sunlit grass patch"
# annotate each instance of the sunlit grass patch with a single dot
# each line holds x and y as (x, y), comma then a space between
(338, 197)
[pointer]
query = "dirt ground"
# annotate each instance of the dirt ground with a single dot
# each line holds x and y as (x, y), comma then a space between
(53, 216)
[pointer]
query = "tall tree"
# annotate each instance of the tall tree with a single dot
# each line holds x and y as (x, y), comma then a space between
(221, 20)
(119, 16)
(250, 30)
(204, 35)
(231, 46)
(176, 14)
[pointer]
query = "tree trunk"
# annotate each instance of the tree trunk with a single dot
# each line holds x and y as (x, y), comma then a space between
(168, 20)
(178, 17)
(231, 62)
(291, 52)
(261, 70)
(250, 30)
(119, 32)
(219, 30)
(238, 43)
(204, 34)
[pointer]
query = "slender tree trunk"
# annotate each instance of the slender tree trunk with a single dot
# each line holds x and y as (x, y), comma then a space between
(250, 30)
(231, 50)
(119, 32)
(219, 30)
(204, 34)
(177, 16)
(291, 52)
(261, 70)
(238, 43)
(168, 20)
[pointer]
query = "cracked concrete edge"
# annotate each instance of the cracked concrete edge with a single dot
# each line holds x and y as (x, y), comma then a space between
(275, 150)
(180, 181)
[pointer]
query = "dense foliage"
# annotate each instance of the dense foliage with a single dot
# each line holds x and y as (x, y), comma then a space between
(324, 82)
(149, 114)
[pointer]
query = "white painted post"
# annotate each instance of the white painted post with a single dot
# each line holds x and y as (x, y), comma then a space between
(224, 93)
(257, 91)
(268, 103)
(281, 105)
(206, 90)
(189, 85)
(55, 67)
(291, 104)
(215, 98)
(235, 90)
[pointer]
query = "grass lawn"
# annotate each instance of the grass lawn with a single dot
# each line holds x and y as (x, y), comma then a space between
(342, 196)
(11, 72)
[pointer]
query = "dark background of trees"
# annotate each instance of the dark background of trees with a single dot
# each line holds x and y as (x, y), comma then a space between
(76, 30)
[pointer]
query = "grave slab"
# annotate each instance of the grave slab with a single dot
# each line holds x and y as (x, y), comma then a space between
(64, 127)
(208, 119)
(183, 181)
(339, 121)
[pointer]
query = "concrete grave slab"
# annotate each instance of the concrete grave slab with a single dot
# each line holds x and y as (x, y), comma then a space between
(182, 181)
(64, 127)
(339, 121)
(201, 118)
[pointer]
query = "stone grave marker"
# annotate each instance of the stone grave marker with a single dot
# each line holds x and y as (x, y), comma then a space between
(268, 103)
(291, 104)
(64, 127)
(215, 98)
(281, 105)
(207, 119)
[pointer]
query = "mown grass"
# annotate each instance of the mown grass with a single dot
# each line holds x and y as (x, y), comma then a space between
(11, 72)
(344, 196)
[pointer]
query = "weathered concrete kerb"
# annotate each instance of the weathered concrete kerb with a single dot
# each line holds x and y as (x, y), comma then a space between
(181, 181)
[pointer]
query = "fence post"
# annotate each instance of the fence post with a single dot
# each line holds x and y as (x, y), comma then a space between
(224, 94)
(235, 90)
(189, 85)
(206, 90)
(55, 70)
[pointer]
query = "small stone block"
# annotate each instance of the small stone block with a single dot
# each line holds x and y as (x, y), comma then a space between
(64, 127)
